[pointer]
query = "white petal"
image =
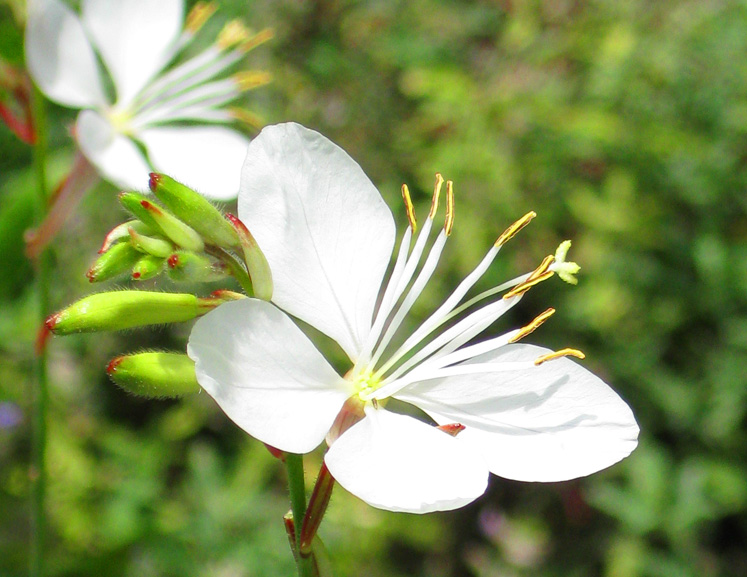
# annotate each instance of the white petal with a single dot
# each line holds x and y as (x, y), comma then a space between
(266, 374)
(115, 156)
(551, 422)
(59, 56)
(135, 38)
(323, 226)
(207, 158)
(398, 463)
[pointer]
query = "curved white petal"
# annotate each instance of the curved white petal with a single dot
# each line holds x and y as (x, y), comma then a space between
(206, 158)
(324, 228)
(115, 156)
(552, 422)
(134, 37)
(59, 57)
(266, 374)
(398, 463)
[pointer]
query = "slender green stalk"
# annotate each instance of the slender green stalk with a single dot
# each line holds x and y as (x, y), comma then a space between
(296, 485)
(38, 470)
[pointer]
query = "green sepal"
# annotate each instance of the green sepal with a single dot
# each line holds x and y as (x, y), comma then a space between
(256, 263)
(119, 259)
(195, 210)
(155, 374)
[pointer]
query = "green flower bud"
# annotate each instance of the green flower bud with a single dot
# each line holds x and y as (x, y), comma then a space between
(119, 259)
(118, 310)
(188, 266)
(150, 244)
(155, 374)
(161, 220)
(194, 209)
(122, 230)
(147, 267)
(256, 263)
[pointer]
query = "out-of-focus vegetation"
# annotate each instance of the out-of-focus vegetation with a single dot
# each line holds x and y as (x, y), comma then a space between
(622, 123)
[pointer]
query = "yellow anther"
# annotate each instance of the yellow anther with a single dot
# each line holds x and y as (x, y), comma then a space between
(249, 79)
(542, 268)
(233, 33)
(200, 14)
(436, 194)
(409, 208)
(531, 327)
(259, 38)
(526, 285)
(246, 117)
(558, 354)
(511, 231)
(449, 220)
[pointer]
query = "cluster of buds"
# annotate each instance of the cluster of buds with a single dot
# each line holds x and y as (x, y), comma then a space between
(186, 236)
(191, 240)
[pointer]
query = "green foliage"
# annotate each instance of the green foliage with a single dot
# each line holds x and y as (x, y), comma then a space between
(623, 124)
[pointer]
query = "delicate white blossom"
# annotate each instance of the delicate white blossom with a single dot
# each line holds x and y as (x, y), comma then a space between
(137, 116)
(517, 410)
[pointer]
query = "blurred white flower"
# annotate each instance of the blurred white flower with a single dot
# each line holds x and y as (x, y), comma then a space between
(517, 410)
(137, 116)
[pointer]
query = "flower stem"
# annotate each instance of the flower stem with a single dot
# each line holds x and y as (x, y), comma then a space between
(38, 469)
(297, 488)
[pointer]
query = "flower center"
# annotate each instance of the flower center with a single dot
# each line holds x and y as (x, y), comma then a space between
(120, 120)
(365, 383)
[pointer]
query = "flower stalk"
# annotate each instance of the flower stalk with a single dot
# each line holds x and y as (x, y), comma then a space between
(38, 470)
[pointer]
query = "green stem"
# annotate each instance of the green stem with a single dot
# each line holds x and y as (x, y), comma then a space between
(38, 470)
(296, 485)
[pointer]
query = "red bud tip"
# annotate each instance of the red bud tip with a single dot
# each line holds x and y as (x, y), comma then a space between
(173, 261)
(113, 364)
(42, 337)
(154, 181)
(91, 275)
(452, 429)
(234, 220)
(136, 275)
(150, 207)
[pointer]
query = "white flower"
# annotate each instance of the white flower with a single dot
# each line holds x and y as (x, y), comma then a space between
(157, 112)
(328, 237)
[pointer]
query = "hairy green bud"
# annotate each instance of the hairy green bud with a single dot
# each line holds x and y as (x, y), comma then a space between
(118, 310)
(155, 374)
(194, 209)
(119, 259)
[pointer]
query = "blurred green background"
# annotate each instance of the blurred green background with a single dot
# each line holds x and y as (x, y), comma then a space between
(622, 123)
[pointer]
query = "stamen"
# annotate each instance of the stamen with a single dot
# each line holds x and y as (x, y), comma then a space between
(249, 118)
(436, 194)
(543, 267)
(417, 287)
(250, 79)
(449, 220)
(260, 38)
(531, 327)
(526, 285)
(558, 354)
(200, 14)
(511, 231)
(409, 208)
(233, 33)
